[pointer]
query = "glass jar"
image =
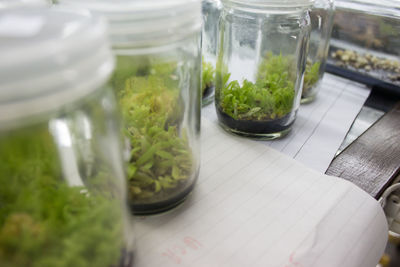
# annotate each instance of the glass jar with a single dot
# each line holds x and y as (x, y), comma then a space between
(211, 10)
(63, 193)
(260, 65)
(321, 17)
(157, 82)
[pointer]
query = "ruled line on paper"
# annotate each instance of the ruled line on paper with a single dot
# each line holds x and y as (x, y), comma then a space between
(226, 157)
(238, 190)
(334, 237)
(374, 251)
(327, 201)
(301, 126)
(242, 156)
(354, 241)
(255, 214)
(211, 142)
(340, 242)
(183, 233)
(329, 136)
(334, 229)
(262, 212)
(230, 147)
(289, 248)
(319, 123)
(214, 187)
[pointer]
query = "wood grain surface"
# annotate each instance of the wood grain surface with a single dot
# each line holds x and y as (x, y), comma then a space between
(373, 160)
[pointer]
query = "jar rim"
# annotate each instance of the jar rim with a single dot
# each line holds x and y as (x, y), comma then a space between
(132, 23)
(271, 3)
(22, 3)
(50, 57)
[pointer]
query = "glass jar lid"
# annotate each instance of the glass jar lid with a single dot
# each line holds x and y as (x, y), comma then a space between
(49, 57)
(144, 22)
(271, 3)
(22, 3)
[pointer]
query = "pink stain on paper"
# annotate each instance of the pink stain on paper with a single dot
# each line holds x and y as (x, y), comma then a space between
(292, 262)
(177, 252)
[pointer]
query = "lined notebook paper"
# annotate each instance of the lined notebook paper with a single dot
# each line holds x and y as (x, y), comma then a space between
(254, 206)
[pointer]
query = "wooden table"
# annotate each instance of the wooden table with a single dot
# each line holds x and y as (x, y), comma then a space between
(372, 161)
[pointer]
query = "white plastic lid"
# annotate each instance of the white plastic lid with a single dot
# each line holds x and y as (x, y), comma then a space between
(272, 3)
(22, 3)
(142, 22)
(50, 57)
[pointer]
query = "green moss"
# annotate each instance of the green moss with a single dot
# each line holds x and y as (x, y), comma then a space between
(311, 76)
(160, 157)
(43, 221)
(270, 97)
(208, 76)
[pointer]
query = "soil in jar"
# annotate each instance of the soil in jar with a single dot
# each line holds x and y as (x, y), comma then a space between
(161, 169)
(208, 90)
(253, 126)
(261, 107)
(160, 203)
(76, 225)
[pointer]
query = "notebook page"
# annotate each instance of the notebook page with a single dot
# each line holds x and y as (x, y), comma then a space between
(253, 206)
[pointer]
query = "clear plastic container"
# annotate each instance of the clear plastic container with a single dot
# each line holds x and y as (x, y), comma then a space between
(321, 16)
(63, 193)
(211, 10)
(365, 43)
(260, 68)
(367, 25)
(157, 82)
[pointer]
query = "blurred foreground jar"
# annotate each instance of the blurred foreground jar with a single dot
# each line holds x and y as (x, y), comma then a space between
(321, 16)
(157, 82)
(260, 65)
(62, 186)
(211, 10)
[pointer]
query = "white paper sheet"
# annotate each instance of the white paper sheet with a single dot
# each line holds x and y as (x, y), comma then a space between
(320, 126)
(254, 206)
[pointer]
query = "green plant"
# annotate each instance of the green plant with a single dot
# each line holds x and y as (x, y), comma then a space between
(208, 76)
(160, 155)
(311, 76)
(270, 97)
(43, 221)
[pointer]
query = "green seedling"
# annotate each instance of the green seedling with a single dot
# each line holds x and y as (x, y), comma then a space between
(270, 97)
(311, 76)
(160, 156)
(43, 221)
